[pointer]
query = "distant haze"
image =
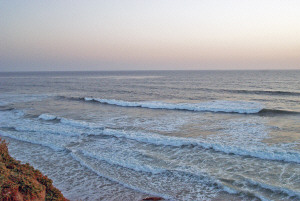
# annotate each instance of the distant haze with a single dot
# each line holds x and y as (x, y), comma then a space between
(149, 35)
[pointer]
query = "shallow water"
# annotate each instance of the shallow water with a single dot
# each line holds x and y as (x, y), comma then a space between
(181, 135)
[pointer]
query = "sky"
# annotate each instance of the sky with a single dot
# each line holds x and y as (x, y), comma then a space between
(83, 35)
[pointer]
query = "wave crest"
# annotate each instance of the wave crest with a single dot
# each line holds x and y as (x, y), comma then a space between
(242, 107)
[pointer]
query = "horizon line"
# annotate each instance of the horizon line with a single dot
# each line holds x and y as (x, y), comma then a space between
(45, 71)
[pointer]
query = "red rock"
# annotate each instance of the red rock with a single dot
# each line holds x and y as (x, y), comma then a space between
(21, 182)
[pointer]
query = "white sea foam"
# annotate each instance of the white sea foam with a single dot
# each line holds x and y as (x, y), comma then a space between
(241, 138)
(55, 136)
(206, 183)
(213, 106)
(57, 145)
(127, 163)
(131, 162)
(80, 124)
(125, 153)
(81, 160)
(163, 123)
(153, 138)
(74, 180)
(70, 122)
(47, 117)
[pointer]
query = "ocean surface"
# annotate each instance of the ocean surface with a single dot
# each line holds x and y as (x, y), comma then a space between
(181, 135)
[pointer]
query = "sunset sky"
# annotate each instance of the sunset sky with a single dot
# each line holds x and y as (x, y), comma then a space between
(149, 35)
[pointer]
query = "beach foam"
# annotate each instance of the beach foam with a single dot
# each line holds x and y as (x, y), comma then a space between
(153, 138)
(229, 141)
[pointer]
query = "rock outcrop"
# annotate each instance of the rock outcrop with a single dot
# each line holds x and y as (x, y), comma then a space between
(21, 182)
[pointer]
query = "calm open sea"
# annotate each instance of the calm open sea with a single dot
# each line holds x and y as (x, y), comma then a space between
(181, 135)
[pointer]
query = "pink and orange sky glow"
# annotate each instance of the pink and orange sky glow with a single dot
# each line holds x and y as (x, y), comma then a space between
(149, 35)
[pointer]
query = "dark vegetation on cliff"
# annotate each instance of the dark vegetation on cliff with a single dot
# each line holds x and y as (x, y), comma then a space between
(21, 182)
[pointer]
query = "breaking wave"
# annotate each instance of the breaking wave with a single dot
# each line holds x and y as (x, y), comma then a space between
(242, 107)
(70, 122)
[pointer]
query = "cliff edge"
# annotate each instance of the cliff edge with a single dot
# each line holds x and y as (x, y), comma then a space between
(21, 182)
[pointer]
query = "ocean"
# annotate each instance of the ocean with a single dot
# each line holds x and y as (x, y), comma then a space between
(180, 135)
